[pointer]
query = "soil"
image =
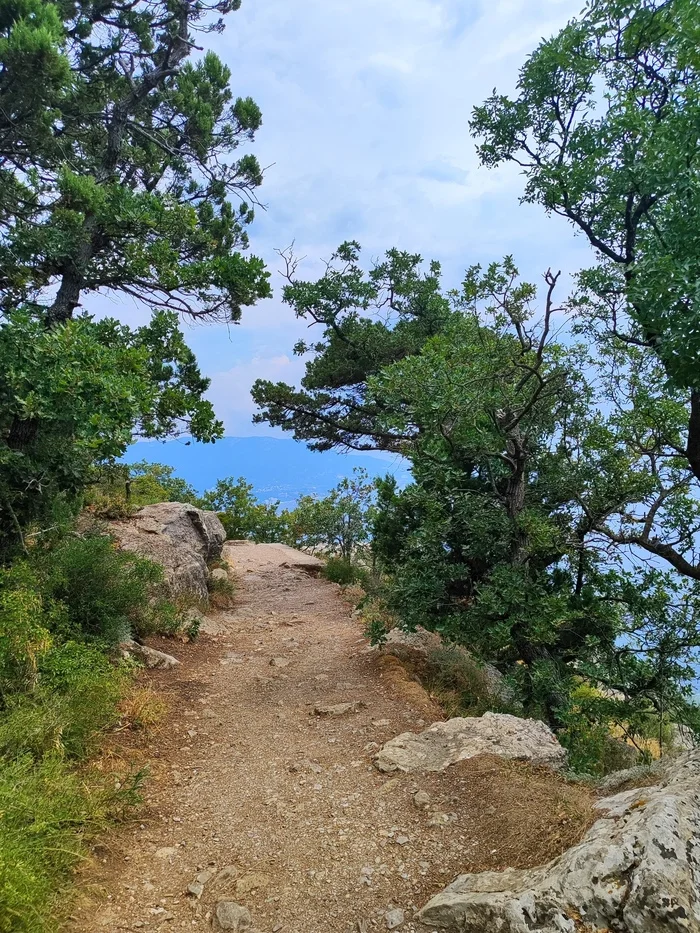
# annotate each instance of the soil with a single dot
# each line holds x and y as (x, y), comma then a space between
(243, 773)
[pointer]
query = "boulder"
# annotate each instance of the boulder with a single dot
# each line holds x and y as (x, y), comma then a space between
(445, 743)
(178, 536)
(637, 870)
(414, 647)
(682, 738)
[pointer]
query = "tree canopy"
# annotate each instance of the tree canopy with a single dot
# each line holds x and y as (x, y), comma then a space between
(116, 158)
(606, 128)
(119, 175)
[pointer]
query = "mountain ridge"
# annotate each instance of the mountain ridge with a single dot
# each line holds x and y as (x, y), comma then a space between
(277, 467)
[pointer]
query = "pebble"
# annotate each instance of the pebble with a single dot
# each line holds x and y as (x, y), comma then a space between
(394, 918)
(338, 709)
(231, 916)
(421, 799)
(227, 873)
(440, 819)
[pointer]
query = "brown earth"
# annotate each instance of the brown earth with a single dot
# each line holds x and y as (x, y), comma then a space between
(243, 773)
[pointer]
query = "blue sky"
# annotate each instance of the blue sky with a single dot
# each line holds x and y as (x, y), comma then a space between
(365, 108)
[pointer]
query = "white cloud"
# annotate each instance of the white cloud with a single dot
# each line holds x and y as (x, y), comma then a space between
(230, 390)
(366, 108)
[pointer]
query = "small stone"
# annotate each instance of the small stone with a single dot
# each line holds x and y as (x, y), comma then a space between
(401, 840)
(151, 658)
(394, 918)
(196, 889)
(380, 722)
(252, 882)
(219, 575)
(439, 819)
(421, 799)
(387, 787)
(280, 662)
(231, 916)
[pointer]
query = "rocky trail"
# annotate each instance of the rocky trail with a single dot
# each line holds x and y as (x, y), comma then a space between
(262, 789)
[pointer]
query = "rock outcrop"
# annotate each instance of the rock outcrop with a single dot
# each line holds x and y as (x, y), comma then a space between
(445, 743)
(279, 555)
(180, 537)
(637, 870)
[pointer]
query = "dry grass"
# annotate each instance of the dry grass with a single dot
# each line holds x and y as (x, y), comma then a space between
(519, 816)
(143, 710)
(222, 594)
(353, 594)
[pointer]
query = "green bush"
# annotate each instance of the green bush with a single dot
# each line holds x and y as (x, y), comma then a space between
(23, 637)
(344, 571)
(62, 609)
(106, 592)
(463, 685)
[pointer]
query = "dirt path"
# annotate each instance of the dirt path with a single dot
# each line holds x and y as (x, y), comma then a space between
(245, 774)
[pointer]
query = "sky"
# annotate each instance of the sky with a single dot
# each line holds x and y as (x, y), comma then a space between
(365, 136)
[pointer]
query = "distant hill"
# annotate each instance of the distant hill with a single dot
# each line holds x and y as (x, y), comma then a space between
(278, 468)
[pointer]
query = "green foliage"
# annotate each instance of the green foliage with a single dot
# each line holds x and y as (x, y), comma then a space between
(118, 163)
(221, 594)
(528, 453)
(339, 523)
(368, 321)
(47, 813)
(131, 196)
(345, 572)
(241, 514)
(60, 608)
(606, 128)
(73, 700)
(461, 684)
(89, 385)
(154, 482)
(105, 591)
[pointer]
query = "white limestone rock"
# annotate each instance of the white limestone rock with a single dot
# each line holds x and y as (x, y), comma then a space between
(445, 743)
(637, 870)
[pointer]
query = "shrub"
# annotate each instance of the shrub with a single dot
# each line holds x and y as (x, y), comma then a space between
(23, 637)
(105, 591)
(221, 593)
(344, 571)
(463, 686)
(74, 699)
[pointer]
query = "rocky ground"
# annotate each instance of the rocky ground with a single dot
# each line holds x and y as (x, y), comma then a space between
(263, 790)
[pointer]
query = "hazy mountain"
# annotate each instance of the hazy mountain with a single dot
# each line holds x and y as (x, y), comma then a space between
(278, 468)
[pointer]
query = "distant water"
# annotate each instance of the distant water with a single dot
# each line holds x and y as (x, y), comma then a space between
(278, 468)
